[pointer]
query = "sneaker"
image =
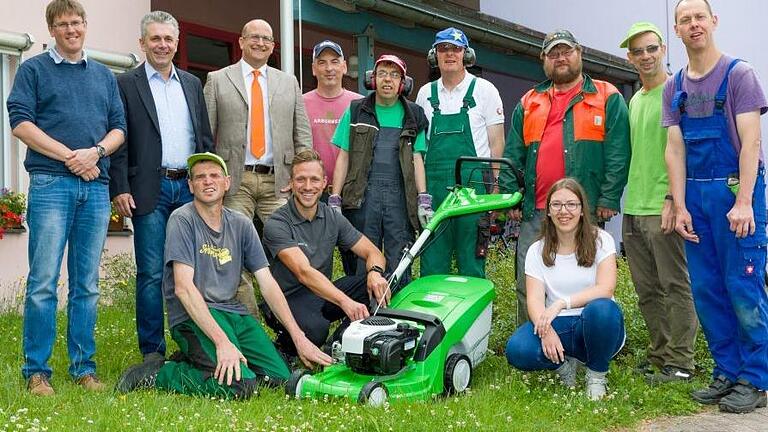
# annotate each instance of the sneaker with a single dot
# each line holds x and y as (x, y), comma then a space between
(140, 376)
(596, 383)
(669, 374)
(711, 395)
(567, 371)
(38, 385)
(743, 398)
(91, 382)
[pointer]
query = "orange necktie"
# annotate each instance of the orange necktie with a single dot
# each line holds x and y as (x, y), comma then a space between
(257, 117)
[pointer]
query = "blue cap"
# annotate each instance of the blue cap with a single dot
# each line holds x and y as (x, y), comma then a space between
(326, 44)
(453, 36)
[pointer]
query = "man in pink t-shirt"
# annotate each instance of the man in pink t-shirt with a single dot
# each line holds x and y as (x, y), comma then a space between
(327, 103)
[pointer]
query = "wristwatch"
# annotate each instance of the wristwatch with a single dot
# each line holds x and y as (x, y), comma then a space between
(669, 197)
(376, 269)
(101, 150)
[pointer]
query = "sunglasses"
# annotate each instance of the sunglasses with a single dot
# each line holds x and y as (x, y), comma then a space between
(650, 49)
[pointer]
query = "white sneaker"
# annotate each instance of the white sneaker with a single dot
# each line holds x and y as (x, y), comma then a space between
(596, 384)
(567, 371)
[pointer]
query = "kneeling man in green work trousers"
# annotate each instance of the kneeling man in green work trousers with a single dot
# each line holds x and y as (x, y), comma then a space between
(224, 351)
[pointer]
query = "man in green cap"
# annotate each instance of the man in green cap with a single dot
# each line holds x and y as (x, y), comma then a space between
(224, 351)
(655, 253)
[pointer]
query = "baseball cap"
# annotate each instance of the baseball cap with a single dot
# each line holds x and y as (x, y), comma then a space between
(453, 36)
(558, 37)
(391, 58)
(326, 44)
(207, 156)
(638, 28)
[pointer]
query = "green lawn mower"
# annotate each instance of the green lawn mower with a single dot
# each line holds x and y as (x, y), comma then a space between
(434, 332)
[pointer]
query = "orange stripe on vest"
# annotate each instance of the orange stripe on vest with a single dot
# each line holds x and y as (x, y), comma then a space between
(588, 114)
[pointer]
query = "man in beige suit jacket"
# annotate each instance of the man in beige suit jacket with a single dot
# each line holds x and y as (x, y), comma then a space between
(257, 180)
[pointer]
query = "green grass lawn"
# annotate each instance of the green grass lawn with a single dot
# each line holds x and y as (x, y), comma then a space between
(500, 398)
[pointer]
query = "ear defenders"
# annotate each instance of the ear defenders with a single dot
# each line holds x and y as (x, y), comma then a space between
(469, 58)
(406, 84)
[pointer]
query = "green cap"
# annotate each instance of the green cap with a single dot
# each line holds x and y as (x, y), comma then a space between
(207, 156)
(638, 28)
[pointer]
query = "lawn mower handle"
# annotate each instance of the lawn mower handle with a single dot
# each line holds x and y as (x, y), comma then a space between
(502, 161)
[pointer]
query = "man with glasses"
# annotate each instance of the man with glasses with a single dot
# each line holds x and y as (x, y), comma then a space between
(711, 109)
(327, 102)
(258, 120)
(381, 140)
(567, 126)
(66, 108)
(167, 122)
(466, 118)
(655, 254)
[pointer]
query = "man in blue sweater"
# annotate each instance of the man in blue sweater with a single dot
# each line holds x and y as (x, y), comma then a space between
(67, 110)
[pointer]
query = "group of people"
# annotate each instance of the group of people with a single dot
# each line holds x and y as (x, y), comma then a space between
(194, 166)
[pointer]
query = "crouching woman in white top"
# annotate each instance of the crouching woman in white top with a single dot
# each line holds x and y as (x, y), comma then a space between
(570, 277)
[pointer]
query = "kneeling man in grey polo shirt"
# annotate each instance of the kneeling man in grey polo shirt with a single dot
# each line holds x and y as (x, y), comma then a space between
(299, 239)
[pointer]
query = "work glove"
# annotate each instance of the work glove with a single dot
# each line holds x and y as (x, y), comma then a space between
(425, 211)
(334, 201)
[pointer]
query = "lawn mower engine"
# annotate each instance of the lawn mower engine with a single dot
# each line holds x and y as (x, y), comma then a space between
(378, 345)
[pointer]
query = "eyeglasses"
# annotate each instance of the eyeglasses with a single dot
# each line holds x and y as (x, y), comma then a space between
(395, 75)
(66, 25)
(554, 55)
(570, 206)
(650, 49)
(259, 38)
(447, 47)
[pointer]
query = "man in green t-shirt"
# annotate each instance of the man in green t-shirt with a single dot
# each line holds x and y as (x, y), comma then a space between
(655, 253)
(382, 141)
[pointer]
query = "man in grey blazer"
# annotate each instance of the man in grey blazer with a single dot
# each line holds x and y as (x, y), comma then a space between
(257, 141)
(167, 122)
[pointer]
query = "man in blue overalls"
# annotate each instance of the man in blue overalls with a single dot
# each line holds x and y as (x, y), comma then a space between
(712, 111)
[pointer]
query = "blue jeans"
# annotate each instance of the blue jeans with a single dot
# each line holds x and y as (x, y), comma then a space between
(593, 337)
(63, 210)
(148, 243)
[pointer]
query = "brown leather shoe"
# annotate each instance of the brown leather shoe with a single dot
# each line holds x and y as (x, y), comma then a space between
(38, 385)
(91, 382)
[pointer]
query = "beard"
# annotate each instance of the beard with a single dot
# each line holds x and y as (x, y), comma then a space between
(563, 76)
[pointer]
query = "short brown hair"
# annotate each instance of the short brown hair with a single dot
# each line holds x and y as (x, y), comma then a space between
(57, 8)
(305, 156)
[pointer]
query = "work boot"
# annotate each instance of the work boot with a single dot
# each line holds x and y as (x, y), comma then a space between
(567, 371)
(711, 395)
(669, 374)
(91, 382)
(596, 383)
(139, 376)
(743, 398)
(38, 385)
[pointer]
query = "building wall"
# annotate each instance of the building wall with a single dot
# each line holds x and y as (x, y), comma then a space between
(112, 26)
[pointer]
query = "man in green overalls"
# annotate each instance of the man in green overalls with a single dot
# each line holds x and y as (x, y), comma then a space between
(466, 119)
